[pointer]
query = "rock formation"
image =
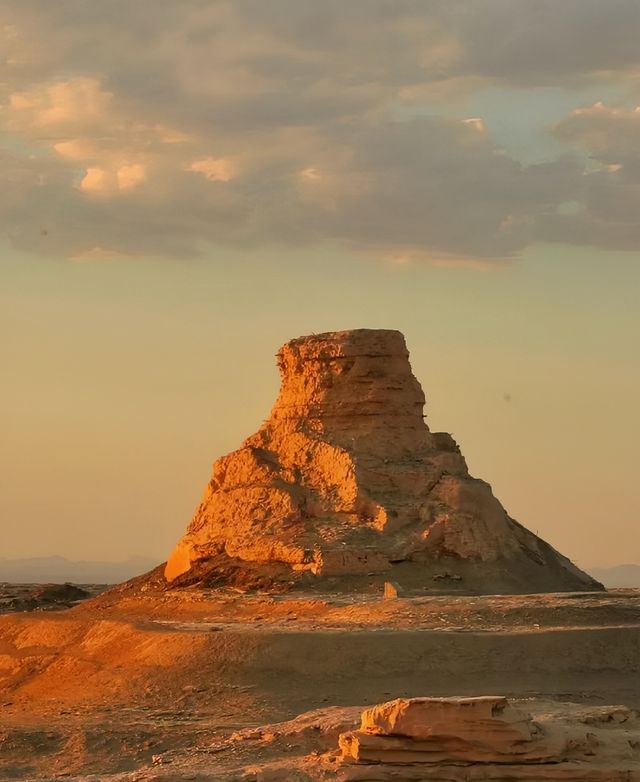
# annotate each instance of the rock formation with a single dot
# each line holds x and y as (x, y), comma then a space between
(483, 729)
(486, 738)
(345, 485)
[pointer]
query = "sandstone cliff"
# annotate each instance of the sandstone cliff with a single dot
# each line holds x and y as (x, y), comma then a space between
(345, 484)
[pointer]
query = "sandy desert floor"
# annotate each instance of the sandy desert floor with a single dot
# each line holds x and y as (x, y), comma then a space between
(114, 684)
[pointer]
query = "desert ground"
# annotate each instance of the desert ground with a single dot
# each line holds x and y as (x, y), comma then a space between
(139, 686)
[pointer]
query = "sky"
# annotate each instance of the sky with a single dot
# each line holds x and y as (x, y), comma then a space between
(186, 186)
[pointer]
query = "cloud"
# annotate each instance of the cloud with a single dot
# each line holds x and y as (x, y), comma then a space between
(609, 133)
(160, 128)
(214, 169)
(605, 213)
(545, 42)
(433, 185)
(78, 105)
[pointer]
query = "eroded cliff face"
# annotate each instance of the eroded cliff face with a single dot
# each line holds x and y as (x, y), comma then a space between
(345, 480)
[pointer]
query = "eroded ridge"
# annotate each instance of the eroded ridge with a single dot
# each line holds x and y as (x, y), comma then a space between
(345, 480)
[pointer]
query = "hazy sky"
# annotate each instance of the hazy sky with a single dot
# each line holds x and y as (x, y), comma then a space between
(186, 185)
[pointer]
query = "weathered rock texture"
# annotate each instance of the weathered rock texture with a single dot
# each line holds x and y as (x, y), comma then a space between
(446, 730)
(345, 482)
(487, 738)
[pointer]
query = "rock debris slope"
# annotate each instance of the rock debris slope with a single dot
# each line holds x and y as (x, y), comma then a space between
(344, 485)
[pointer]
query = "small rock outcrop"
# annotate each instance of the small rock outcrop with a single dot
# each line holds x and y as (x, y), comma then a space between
(445, 730)
(486, 738)
(345, 484)
(42, 597)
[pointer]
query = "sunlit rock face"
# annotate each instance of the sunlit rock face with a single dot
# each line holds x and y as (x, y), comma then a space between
(345, 481)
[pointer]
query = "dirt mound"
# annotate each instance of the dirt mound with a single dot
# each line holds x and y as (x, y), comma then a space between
(43, 597)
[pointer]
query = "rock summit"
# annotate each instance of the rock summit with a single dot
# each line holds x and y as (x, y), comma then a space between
(344, 485)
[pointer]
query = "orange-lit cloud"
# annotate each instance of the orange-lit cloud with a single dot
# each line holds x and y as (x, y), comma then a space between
(214, 169)
(103, 182)
(311, 174)
(477, 123)
(412, 256)
(82, 122)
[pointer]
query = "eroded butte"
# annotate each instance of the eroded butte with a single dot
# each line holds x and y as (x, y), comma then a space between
(345, 484)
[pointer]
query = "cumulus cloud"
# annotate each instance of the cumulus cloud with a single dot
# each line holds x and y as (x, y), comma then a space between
(611, 134)
(159, 127)
(433, 184)
(605, 213)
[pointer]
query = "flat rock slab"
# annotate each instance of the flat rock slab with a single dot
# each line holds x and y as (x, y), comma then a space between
(487, 719)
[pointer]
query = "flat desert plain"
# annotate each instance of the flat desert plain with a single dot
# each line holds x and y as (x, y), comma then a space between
(138, 686)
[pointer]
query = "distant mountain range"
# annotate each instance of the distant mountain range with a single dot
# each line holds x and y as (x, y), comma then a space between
(618, 576)
(58, 570)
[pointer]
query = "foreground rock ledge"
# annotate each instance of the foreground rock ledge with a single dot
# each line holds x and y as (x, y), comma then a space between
(490, 740)
(345, 484)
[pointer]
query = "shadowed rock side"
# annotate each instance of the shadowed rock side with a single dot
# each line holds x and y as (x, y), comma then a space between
(345, 484)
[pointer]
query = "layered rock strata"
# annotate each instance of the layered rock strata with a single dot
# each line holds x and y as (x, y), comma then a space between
(344, 480)
(445, 730)
(486, 738)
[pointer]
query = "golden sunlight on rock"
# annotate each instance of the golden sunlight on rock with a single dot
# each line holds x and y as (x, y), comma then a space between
(345, 482)
(438, 738)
